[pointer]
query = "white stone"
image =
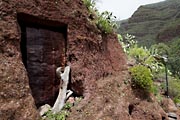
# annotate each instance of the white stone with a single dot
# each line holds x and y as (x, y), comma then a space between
(43, 109)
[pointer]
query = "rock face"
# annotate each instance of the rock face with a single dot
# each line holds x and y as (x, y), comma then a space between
(159, 22)
(114, 99)
(170, 108)
(38, 36)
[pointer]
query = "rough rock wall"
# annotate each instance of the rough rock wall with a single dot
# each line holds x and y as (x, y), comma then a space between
(92, 55)
(114, 99)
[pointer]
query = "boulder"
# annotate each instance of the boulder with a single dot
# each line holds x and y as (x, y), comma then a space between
(172, 116)
(43, 109)
(168, 105)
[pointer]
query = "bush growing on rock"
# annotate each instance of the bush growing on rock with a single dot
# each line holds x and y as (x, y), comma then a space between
(174, 88)
(105, 21)
(141, 77)
(90, 4)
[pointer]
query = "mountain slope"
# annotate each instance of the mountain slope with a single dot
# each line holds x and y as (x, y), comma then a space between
(159, 22)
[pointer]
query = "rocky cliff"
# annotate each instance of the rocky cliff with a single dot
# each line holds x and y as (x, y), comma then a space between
(159, 22)
(38, 36)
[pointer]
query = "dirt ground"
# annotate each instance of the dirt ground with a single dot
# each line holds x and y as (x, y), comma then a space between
(114, 99)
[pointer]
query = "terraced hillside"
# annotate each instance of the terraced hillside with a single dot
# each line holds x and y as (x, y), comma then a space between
(153, 23)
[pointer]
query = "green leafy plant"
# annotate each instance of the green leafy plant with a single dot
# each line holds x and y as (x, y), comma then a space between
(155, 90)
(174, 87)
(162, 49)
(67, 106)
(127, 43)
(58, 116)
(149, 66)
(141, 55)
(176, 100)
(174, 60)
(141, 77)
(61, 115)
(172, 50)
(159, 98)
(106, 22)
(90, 4)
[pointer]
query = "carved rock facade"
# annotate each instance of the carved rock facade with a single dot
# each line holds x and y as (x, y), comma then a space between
(38, 36)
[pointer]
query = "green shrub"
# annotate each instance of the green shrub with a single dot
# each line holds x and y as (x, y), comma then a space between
(90, 4)
(68, 106)
(155, 90)
(141, 77)
(61, 115)
(142, 55)
(106, 22)
(176, 100)
(58, 116)
(173, 58)
(162, 49)
(127, 42)
(139, 54)
(174, 88)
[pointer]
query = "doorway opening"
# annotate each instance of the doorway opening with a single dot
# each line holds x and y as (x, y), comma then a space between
(43, 48)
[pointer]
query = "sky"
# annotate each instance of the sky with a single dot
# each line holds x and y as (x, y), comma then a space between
(122, 9)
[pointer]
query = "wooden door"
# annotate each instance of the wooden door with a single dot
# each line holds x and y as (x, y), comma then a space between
(45, 52)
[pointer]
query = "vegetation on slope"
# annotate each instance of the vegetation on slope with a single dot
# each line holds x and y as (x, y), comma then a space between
(150, 66)
(150, 24)
(157, 26)
(154, 23)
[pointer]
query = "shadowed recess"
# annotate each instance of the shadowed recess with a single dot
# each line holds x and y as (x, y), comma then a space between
(43, 49)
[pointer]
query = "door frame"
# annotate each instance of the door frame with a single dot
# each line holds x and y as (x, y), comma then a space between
(26, 20)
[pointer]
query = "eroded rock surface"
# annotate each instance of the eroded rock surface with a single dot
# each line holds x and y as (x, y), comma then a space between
(114, 99)
(92, 54)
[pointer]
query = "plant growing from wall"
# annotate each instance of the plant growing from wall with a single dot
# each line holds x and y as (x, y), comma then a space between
(90, 4)
(127, 42)
(60, 115)
(105, 21)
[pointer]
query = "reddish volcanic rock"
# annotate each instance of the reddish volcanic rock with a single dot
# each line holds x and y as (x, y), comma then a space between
(39, 35)
(114, 99)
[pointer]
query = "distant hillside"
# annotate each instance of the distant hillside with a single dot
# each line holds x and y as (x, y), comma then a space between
(159, 22)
